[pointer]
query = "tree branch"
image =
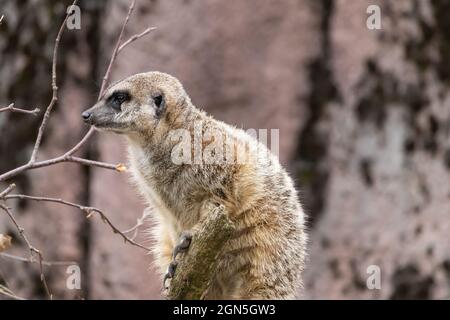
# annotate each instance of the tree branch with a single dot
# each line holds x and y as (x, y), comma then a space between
(28, 260)
(140, 222)
(8, 293)
(115, 52)
(11, 108)
(54, 90)
(32, 249)
(64, 158)
(135, 37)
(195, 271)
(7, 190)
(89, 211)
(68, 156)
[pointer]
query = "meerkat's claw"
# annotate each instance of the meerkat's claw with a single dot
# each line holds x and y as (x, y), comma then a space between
(170, 273)
(183, 244)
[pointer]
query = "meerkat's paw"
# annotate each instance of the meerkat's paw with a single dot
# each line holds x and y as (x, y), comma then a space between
(182, 245)
(169, 273)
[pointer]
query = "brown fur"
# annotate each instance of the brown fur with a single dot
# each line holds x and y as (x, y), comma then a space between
(265, 257)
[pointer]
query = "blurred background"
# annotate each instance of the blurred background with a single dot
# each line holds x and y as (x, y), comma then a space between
(364, 119)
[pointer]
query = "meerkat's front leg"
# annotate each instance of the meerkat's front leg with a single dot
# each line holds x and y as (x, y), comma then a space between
(182, 245)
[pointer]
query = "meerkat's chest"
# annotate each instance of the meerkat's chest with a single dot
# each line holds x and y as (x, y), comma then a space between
(143, 175)
(166, 195)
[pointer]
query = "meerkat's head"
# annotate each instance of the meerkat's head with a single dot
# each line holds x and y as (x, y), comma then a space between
(139, 105)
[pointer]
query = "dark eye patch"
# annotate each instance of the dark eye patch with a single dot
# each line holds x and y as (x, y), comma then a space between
(117, 98)
(158, 100)
(160, 104)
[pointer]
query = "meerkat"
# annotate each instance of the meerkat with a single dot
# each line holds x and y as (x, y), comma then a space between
(265, 256)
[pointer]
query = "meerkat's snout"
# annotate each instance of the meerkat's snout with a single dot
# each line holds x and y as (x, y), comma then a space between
(89, 116)
(86, 115)
(101, 115)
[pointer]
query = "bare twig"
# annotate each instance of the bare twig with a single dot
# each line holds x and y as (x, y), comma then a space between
(64, 158)
(28, 260)
(54, 91)
(115, 51)
(135, 37)
(8, 293)
(118, 167)
(106, 77)
(11, 108)
(7, 190)
(140, 221)
(32, 249)
(89, 211)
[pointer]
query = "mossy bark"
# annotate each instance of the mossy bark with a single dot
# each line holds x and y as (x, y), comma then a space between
(196, 269)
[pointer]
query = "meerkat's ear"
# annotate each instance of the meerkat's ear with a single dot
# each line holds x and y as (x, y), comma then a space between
(160, 104)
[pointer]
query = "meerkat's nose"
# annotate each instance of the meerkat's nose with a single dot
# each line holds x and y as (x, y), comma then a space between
(86, 115)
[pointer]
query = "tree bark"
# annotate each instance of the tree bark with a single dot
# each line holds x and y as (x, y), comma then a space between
(196, 269)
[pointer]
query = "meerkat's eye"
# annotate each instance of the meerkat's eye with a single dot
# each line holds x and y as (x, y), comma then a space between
(158, 100)
(117, 98)
(160, 104)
